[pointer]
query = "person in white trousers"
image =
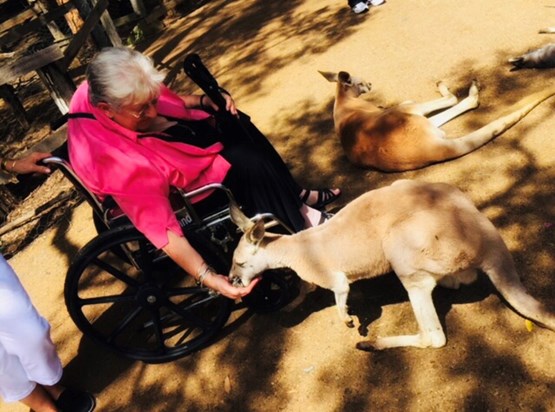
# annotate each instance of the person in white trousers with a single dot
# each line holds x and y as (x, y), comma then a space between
(30, 369)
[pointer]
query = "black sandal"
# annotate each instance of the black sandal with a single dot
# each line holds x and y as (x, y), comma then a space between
(325, 197)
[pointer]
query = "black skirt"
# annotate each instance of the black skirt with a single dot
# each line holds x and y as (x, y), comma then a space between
(258, 177)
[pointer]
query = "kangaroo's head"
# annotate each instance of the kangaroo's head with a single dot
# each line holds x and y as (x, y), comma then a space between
(247, 262)
(348, 84)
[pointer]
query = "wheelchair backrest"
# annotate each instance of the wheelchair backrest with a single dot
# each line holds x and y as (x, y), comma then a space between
(64, 166)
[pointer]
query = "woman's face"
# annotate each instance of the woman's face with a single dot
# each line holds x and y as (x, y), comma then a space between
(136, 116)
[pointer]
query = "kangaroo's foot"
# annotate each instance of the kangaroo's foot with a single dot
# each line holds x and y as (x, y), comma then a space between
(433, 340)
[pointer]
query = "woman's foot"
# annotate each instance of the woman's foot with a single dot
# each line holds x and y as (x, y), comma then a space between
(319, 198)
(314, 217)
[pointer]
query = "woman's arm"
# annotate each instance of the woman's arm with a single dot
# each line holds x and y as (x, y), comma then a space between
(204, 102)
(181, 252)
(193, 101)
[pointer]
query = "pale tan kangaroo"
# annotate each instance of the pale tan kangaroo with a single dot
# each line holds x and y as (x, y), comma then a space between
(401, 138)
(427, 233)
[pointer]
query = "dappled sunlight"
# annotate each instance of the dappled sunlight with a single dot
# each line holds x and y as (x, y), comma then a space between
(303, 358)
(252, 39)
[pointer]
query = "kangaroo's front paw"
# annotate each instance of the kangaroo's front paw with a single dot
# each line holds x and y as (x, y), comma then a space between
(347, 319)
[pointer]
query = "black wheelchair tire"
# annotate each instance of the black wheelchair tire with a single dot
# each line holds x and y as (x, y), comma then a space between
(135, 309)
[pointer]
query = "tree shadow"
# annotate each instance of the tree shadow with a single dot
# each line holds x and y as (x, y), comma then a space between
(258, 345)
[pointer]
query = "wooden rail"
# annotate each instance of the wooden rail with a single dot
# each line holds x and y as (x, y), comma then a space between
(52, 62)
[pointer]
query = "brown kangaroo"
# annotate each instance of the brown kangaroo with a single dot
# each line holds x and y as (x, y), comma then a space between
(401, 138)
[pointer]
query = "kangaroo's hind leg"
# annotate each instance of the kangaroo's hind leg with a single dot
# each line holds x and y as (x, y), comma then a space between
(468, 103)
(430, 330)
(448, 99)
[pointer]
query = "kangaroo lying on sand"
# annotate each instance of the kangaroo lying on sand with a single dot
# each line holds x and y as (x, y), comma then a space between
(542, 58)
(401, 138)
(427, 233)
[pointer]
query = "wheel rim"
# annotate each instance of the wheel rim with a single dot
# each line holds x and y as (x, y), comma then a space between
(142, 306)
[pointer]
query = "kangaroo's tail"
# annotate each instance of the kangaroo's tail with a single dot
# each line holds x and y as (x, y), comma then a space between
(506, 280)
(466, 144)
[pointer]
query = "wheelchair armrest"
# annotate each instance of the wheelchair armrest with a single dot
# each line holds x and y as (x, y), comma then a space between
(209, 187)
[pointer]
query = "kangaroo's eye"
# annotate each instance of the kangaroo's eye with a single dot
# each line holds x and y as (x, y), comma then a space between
(241, 264)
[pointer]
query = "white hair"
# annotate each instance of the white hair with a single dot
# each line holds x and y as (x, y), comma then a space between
(121, 76)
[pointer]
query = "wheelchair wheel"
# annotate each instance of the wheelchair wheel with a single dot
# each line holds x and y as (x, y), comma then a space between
(143, 306)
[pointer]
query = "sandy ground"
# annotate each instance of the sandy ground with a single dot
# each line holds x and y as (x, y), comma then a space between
(303, 358)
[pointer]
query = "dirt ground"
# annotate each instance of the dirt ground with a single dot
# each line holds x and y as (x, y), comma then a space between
(303, 358)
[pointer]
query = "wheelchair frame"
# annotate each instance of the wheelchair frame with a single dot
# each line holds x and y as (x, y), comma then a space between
(128, 296)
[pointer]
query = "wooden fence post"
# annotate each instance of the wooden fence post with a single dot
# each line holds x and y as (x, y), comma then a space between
(7, 92)
(59, 84)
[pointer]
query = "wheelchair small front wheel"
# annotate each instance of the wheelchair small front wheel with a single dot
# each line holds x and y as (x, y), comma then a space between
(276, 290)
(130, 297)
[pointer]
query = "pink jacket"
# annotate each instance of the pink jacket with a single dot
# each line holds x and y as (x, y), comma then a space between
(138, 172)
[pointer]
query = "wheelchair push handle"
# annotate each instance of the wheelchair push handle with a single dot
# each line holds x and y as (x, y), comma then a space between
(197, 71)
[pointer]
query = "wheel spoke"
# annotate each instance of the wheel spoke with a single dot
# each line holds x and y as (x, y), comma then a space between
(123, 324)
(172, 292)
(158, 332)
(189, 314)
(118, 274)
(144, 257)
(106, 299)
(188, 331)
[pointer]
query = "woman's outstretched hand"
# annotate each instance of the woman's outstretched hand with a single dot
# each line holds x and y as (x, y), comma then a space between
(223, 285)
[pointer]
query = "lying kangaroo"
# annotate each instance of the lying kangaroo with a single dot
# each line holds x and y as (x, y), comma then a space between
(428, 233)
(542, 58)
(401, 138)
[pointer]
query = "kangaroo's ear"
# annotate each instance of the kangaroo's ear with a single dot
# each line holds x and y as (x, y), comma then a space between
(344, 78)
(239, 218)
(330, 77)
(256, 232)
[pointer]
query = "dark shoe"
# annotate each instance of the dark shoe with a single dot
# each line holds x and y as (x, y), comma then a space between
(325, 197)
(73, 400)
(360, 7)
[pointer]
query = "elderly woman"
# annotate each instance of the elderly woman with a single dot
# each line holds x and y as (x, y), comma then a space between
(132, 138)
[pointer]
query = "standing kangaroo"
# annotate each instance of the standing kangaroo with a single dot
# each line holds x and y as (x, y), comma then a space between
(427, 233)
(401, 138)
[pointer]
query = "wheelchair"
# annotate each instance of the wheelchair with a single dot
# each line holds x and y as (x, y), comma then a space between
(126, 295)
